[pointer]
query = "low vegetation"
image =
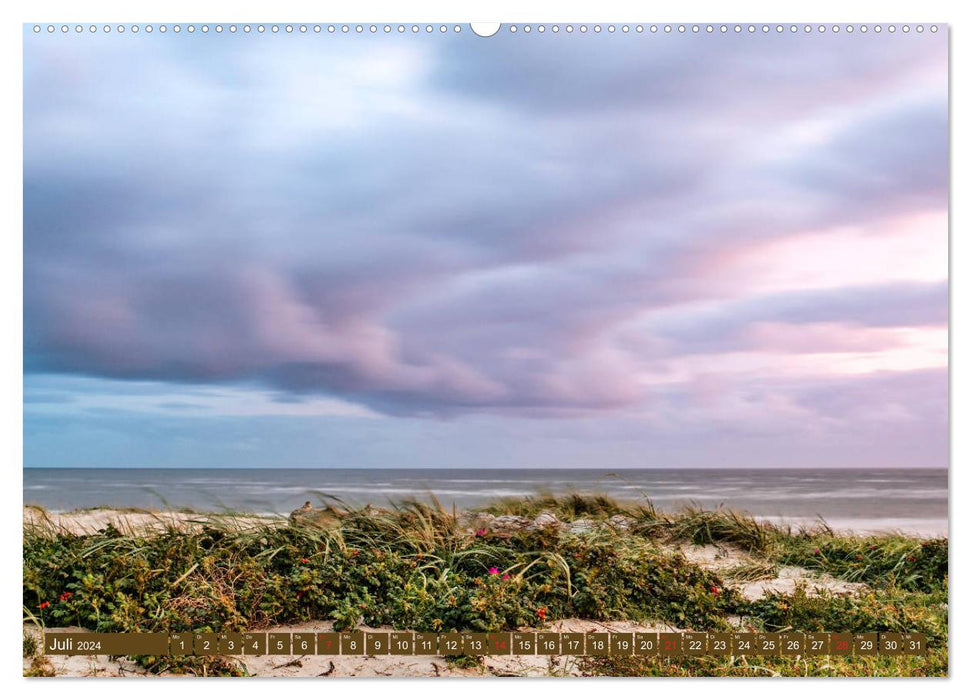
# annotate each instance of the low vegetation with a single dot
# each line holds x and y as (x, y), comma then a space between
(417, 566)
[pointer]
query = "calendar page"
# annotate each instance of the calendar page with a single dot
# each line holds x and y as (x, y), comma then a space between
(476, 350)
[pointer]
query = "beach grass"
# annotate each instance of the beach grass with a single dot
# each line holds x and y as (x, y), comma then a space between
(419, 566)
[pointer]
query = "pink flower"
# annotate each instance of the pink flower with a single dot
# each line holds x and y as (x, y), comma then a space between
(816, 551)
(481, 532)
(505, 577)
(304, 561)
(494, 571)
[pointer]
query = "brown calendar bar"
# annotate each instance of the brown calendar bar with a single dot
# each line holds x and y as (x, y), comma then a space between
(666, 644)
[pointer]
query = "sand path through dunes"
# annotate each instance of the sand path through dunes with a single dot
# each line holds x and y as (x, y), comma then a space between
(722, 560)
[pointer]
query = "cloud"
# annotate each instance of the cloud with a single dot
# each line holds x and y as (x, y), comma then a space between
(891, 419)
(457, 226)
(87, 396)
(891, 160)
(713, 77)
(729, 325)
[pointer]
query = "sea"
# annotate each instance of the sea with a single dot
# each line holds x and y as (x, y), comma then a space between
(914, 501)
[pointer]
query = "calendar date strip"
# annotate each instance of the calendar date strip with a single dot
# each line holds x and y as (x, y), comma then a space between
(668, 644)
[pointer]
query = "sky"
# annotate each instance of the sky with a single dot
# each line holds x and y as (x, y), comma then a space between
(602, 251)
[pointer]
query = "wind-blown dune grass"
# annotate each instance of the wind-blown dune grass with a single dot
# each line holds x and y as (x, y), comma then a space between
(418, 566)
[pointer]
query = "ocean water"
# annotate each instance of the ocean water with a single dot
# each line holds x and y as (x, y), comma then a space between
(910, 500)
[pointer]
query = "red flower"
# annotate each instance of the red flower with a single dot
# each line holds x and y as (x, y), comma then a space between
(541, 614)
(299, 595)
(481, 532)
(716, 590)
(304, 561)
(505, 577)
(494, 571)
(816, 551)
(45, 604)
(353, 552)
(65, 595)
